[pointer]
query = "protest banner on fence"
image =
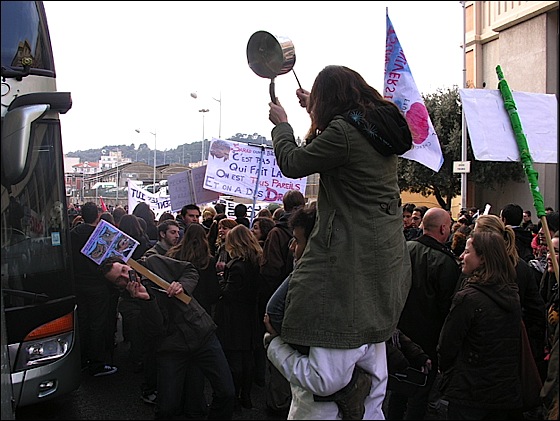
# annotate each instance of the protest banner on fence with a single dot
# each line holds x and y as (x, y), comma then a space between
(136, 194)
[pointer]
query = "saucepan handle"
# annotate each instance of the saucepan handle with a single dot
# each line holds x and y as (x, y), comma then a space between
(271, 90)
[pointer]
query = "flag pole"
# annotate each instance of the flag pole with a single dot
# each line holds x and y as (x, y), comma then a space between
(527, 161)
(463, 117)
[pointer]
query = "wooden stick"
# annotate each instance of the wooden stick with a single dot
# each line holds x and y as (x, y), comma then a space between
(156, 279)
(546, 231)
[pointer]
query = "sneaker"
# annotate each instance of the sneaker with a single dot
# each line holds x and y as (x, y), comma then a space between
(149, 398)
(106, 370)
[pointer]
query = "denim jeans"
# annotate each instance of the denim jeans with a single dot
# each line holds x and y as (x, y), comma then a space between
(172, 377)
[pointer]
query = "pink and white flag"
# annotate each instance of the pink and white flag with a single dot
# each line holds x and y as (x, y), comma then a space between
(400, 88)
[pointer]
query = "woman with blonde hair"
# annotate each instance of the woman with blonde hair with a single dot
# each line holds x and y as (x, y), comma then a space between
(532, 303)
(480, 341)
(208, 215)
(236, 312)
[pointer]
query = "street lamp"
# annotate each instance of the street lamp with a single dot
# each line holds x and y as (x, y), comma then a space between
(220, 126)
(155, 157)
(203, 111)
(117, 199)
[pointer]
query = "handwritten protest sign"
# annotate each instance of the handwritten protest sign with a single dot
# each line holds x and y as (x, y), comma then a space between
(250, 171)
(107, 240)
(187, 187)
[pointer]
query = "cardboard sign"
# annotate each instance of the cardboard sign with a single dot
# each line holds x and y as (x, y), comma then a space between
(249, 171)
(107, 240)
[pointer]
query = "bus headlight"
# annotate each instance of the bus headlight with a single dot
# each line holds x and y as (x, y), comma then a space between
(39, 352)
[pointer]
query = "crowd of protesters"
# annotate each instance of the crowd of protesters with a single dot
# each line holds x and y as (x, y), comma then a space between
(233, 271)
(378, 309)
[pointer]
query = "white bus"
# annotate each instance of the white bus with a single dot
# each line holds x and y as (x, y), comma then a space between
(39, 305)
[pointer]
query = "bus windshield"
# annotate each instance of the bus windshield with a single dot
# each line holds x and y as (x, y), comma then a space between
(25, 35)
(34, 228)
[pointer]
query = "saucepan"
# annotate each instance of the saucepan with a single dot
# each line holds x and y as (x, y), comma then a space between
(270, 56)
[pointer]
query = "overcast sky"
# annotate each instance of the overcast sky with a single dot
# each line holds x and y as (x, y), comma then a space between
(133, 65)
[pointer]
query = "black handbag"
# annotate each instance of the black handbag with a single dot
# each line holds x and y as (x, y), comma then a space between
(531, 383)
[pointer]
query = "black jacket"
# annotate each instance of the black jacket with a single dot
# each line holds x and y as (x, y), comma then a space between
(532, 308)
(236, 310)
(167, 321)
(435, 273)
(85, 269)
(479, 347)
(523, 240)
(277, 260)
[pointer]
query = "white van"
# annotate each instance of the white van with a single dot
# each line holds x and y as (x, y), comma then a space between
(104, 185)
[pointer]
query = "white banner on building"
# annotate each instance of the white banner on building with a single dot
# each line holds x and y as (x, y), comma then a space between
(490, 131)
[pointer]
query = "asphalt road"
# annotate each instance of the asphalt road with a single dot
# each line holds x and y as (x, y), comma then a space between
(117, 397)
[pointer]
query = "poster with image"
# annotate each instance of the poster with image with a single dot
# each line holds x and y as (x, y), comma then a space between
(107, 240)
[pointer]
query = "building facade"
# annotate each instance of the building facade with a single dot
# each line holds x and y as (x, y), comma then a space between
(521, 37)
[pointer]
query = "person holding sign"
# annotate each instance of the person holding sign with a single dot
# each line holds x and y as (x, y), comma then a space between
(96, 298)
(184, 333)
(349, 288)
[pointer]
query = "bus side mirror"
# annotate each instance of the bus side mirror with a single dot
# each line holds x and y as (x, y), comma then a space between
(16, 139)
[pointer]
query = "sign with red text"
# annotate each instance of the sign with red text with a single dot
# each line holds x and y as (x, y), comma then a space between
(250, 171)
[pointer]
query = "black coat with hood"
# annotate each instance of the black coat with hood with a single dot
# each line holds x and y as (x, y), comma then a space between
(479, 347)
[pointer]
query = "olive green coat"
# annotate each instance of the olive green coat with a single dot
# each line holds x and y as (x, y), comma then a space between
(351, 283)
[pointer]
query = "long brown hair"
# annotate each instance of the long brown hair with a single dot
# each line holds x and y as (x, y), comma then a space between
(265, 225)
(496, 267)
(336, 90)
(491, 223)
(193, 247)
(130, 225)
(243, 244)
